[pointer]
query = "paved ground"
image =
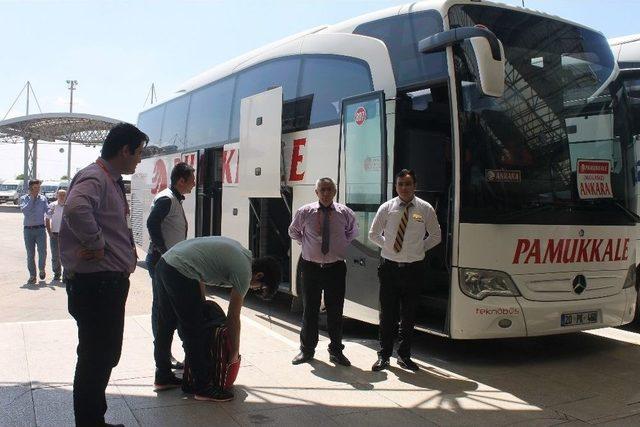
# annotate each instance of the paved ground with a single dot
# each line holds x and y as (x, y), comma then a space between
(579, 379)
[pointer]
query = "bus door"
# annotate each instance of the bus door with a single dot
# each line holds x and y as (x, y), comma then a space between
(260, 177)
(423, 143)
(363, 178)
(209, 192)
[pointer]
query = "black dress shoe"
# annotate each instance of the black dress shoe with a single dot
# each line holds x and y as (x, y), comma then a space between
(302, 357)
(339, 359)
(407, 363)
(381, 363)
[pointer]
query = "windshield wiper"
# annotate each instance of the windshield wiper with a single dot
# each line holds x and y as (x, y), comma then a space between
(612, 202)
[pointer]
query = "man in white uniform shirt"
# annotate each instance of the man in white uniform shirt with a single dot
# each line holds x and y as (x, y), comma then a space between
(52, 222)
(405, 227)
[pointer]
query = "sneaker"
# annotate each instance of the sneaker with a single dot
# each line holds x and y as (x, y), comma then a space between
(214, 395)
(56, 278)
(176, 364)
(166, 382)
(42, 275)
(32, 280)
(187, 389)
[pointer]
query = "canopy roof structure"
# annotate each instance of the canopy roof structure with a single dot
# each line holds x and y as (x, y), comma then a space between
(85, 129)
(76, 128)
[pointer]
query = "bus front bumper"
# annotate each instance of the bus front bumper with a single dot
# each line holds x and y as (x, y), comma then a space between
(502, 317)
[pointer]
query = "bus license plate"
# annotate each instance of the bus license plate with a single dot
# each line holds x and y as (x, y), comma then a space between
(582, 318)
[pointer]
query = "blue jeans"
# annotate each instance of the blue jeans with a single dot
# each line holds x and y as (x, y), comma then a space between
(55, 254)
(35, 237)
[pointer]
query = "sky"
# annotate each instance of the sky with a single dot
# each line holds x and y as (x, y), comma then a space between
(117, 49)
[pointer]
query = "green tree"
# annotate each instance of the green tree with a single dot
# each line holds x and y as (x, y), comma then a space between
(21, 176)
(64, 177)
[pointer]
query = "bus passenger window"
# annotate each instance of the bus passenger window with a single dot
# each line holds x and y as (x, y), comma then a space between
(150, 122)
(296, 114)
(281, 72)
(209, 114)
(319, 80)
(174, 124)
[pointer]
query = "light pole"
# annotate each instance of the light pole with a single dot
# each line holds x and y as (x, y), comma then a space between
(72, 86)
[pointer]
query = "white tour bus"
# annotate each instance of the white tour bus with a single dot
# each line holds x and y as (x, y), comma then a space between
(514, 121)
(626, 51)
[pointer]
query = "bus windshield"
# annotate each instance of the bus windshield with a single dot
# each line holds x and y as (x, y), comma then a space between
(556, 148)
(8, 187)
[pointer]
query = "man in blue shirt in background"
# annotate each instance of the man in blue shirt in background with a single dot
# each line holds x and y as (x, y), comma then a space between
(34, 206)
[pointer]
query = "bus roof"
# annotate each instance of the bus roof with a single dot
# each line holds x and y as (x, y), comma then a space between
(285, 46)
(624, 39)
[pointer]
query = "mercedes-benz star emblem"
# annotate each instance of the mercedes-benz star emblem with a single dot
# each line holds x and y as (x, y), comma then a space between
(579, 284)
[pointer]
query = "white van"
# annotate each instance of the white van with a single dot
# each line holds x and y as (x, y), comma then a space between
(49, 189)
(10, 191)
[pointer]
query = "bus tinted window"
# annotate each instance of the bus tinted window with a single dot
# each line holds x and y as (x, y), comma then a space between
(401, 34)
(174, 124)
(150, 122)
(282, 72)
(329, 80)
(209, 114)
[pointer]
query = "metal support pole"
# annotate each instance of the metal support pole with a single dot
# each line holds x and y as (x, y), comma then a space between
(34, 160)
(72, 86)
(25, 170)
(69, 160)
(28, 90)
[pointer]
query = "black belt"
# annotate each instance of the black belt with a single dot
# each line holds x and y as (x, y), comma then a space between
(30, 227)
(323, 265)
(97, 275)
(399, 264)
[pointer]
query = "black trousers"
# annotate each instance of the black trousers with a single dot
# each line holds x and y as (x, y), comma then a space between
(399, 292)
(97, 302)
(331, 280)
(180, 303)
(163, 323)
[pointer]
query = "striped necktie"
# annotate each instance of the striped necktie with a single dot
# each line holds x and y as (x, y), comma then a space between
(397, 245)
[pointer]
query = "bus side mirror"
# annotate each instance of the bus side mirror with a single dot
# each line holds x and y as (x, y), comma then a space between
(487, 49)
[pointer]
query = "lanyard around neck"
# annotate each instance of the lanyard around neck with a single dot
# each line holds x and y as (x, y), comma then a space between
(118, 187)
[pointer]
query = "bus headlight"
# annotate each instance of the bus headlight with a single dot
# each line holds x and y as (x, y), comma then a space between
(479, 284)
(630, 280)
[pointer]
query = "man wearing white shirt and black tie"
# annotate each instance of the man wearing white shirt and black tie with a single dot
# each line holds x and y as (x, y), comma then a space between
(405, 227)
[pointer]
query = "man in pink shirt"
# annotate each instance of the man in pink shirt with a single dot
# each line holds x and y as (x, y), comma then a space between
(98, 255)
(324, 229)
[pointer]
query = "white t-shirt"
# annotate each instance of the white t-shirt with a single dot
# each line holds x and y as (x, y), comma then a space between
(54, 213)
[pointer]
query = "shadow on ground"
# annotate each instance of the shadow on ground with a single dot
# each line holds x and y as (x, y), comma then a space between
(44, 285)
(264, 405)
